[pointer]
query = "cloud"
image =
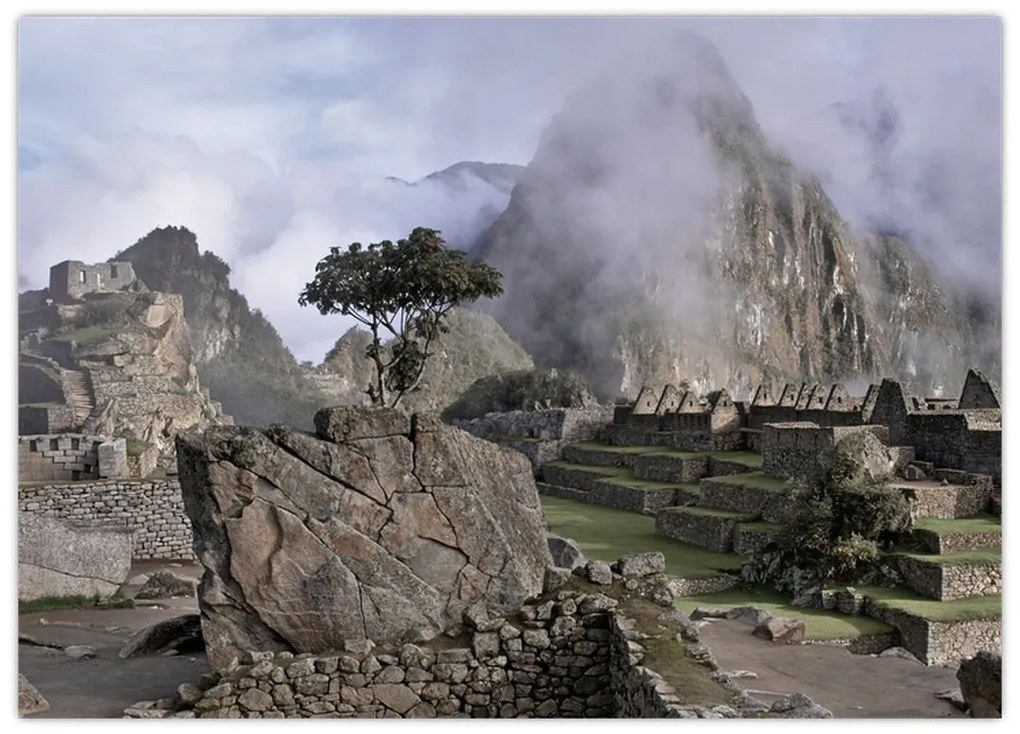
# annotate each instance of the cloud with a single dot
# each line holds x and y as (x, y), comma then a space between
(271, 138)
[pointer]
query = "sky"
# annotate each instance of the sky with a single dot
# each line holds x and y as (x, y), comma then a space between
(272, 138)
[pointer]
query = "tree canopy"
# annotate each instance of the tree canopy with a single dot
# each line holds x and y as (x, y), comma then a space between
(401, 291)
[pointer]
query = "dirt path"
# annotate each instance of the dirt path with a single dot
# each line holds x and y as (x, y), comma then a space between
(105, 685)
(848, 685)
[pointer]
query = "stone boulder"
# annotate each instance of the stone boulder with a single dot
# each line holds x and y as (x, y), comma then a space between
(640, 564)
(981, 684)
(865, 458)
(182, 634)
(565, 552)
(56, 558)
(164, 584)
(30, 701)
(378, 526)
(785, 630)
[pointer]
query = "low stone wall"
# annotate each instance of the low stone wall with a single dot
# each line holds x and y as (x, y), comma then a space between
(749, 542)
(637, 499)
(697, 527)
(771, 504)
(630, 435)
(152, 509)
(554, 661)
(666, 468)
(946, 582)
(940, 643)
(944, 543)
(946, 501)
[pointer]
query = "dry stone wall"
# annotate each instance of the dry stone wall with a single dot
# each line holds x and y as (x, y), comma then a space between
(70, 456)
(152, 509)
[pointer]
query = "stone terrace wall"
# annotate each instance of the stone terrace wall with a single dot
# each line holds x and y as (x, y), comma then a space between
(153, 509)
(941, 643)
(568, 657)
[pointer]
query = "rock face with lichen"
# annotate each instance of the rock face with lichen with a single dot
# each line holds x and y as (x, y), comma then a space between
(379, 525)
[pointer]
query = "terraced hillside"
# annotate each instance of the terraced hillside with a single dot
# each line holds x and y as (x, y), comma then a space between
(719, 503)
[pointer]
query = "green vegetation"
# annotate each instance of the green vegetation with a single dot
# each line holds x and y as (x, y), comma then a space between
(958, 610)
(596, 446)
(606, 534)
(638, 483)
(87, 335)
(960, 526)
(668, 656)
(819, 624)
(761, 527)
(979, 557)
(757, 480)
(714, 512)
(525, 389)
(401, 292)
(136, 448)
(609, 471)
(747, 458)
(51, 603)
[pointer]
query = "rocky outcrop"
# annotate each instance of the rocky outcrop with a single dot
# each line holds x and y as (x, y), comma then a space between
(30, 701)
(58, 559)
(182, 634)
(163, 584)
(861, 456)
(981, 684)
(379, 526)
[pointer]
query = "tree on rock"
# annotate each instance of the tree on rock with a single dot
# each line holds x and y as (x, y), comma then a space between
(402, 292)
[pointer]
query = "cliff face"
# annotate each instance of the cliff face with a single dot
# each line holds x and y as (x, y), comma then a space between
(239, 355)
(658, 236)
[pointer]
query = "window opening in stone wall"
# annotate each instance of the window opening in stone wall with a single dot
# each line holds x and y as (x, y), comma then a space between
(81, 276)
(74, 444)
(33, 446)
(53, 444)
(113, 271)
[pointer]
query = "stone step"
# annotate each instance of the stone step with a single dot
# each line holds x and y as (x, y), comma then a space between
(931, 498)
(671, 466)
(701, 526)
(578, 476)
(952, 576)
(591, 453)
(750, 539)
(753, 492)
(639, 495)
(933, 535)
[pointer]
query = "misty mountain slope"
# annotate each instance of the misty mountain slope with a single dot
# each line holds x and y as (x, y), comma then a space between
(476, 346)
(658, 236)
(239, 355)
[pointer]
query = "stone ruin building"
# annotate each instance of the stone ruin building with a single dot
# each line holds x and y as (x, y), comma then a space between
(72, 279)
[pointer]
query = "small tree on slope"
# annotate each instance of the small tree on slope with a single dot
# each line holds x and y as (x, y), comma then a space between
(402, 293)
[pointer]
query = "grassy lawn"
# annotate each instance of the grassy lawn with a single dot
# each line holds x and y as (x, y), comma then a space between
(596, 446)
(605, 534)
(963, 525)
(747, 458)
(819, 624)
(975, 607)
(752, 479)
(761, 527)
(979, 557)
(638, 483)
(713, 512)
(609, 471)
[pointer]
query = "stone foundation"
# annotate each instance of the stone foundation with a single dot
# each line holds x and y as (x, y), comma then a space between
(695, 525)
(152, 509)
(667, 468)
(726, 494)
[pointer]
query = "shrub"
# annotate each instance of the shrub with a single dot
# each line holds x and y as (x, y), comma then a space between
(832, 531)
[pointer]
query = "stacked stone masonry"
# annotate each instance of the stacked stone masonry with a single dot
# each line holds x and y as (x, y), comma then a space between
(70, 456)
(569, 656)
(153, 509)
